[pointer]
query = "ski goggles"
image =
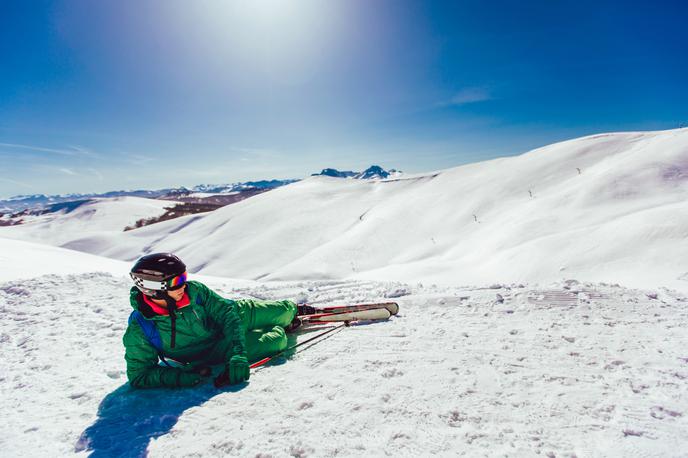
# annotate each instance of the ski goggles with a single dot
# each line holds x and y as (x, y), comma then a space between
(176, 282)
(157, 285)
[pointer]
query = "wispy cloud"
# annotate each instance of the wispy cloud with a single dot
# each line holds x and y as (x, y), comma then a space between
(84, 151)
(137, 159)
(468, 95)
(67, 171)
(72, 151)
(252, 154)
(96, 174)
(17, 183)
(209, 172)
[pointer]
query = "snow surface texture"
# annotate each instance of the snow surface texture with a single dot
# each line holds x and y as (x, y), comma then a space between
(98, 217)
(568, 369)
(549, 368)
(27, 260)
(610, 208)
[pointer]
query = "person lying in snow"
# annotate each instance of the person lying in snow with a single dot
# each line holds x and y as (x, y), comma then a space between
(188, 327)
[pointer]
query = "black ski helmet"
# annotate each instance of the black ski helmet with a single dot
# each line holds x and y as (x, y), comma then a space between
(157, 273)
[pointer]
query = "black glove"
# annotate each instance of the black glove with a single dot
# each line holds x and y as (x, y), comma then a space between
(237, 371)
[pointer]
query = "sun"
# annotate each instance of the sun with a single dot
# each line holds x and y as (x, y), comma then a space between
(281, 39)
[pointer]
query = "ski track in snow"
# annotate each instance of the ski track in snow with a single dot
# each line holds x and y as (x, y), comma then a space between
(563, 370)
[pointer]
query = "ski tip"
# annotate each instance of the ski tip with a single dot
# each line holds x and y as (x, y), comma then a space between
(393, 308)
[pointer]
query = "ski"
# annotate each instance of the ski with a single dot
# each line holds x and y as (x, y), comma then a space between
(392, 307)
(380, 313)
(263, 361)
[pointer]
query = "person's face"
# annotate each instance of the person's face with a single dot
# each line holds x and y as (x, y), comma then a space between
(177, 293)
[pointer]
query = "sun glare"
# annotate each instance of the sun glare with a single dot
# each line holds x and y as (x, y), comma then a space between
(282, 40)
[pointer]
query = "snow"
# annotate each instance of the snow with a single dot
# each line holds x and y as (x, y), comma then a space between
(567, 369)
(599, 208)
(202, 195)
(25, 260)
(103, 217)
(550, 325)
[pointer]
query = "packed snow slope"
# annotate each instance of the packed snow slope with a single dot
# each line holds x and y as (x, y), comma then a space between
(20, 260)
(569, 369)
(558, 370)
(610, 207)
(95, 217)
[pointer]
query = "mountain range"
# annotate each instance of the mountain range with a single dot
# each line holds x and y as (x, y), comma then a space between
(41, 201)
(600, 208)
(38, 202)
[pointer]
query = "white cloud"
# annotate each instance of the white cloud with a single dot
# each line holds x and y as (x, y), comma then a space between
(72, 151)
(67, 171)
(17, 183)
(84, 151)
(252, 154)
(96, 174)
(468, 95)
(137, 159)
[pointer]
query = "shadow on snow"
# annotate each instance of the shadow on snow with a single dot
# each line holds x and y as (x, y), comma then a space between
(129, 418)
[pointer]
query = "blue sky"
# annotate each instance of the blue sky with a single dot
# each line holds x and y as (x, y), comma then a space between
(97, 96)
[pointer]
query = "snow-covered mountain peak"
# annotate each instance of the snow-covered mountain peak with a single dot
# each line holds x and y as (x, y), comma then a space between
(374, 172)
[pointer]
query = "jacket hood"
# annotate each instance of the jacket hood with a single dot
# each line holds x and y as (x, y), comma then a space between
(137, 303)
(133, 297)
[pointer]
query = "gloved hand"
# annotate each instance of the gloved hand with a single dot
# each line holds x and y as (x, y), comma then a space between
(237, 371)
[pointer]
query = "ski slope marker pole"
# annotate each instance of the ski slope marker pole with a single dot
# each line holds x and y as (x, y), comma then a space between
(269, 358)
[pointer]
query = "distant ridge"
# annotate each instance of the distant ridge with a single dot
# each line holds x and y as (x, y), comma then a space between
(41, 201)
(335, 173)
(374, 172)
(35, 202)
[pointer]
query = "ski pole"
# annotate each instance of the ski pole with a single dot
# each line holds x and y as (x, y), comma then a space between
(269, 358)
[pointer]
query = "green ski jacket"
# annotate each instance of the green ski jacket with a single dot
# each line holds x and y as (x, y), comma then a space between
(208, 325)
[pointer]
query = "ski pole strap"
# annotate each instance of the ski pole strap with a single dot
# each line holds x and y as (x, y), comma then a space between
(269, 358)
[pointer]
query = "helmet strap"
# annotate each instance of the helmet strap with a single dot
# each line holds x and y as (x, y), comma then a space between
(172, 308)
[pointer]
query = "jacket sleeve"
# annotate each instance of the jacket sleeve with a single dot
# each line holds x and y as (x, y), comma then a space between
(226, 316)
(143, 370)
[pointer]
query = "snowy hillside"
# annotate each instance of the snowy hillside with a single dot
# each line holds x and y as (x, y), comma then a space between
(523, 364)
(570, 369)
(21, 260)
(599, 208)
(95, 217)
